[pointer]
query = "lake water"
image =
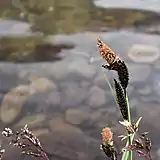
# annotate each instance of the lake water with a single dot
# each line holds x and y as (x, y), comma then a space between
(51, 76)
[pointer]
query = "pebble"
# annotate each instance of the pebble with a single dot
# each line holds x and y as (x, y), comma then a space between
(139, 73)
(32, 120)
(54, 98)
(72, 94)
(13, 102)
(100, 80)
(40, 131)
(41, 84)
(156, 84)
(77, 115)
(145, 91)
(142, 53)
(96, 97)
(150, 115)
(82, 68)
(59, 126)
(60, 70)
(157, 65)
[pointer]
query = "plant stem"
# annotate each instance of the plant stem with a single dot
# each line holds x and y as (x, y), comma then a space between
(129, 119)
(44, 155)
(112, 91)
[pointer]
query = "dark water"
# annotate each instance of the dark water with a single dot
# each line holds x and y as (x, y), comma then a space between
(47, 79)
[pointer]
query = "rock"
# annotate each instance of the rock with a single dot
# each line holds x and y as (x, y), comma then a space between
(96, 97)
(130, 90)
(142, 53)
(134, 102)
(41, 84)
(58, 125)
(68, 142)
(60, 70)
(151, 98)
(100, 80)
(40, 131)
(8, 78)
(156, 84)
(84, 84)
(70, 148)
(145, 91)
(157, 65)
(150, 119)
(77, 115)
(13, 102)
(82, 68)
(97, 115)
(72, 94)
(54, 98)
(104, 116)
(32, 121)
(139, 73)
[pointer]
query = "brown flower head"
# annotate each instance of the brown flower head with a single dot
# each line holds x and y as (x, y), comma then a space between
(107, 136)
(114, 63)
(106, 52)
(107, 144)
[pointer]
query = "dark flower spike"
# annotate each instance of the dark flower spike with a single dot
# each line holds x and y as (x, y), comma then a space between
(123, 74)
(121, 100)
(114, 63)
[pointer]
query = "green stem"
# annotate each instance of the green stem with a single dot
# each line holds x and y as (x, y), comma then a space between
(112, 91)
(126, 155)
(130, 139)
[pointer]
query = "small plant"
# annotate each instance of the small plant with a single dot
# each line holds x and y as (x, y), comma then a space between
(1, 152)
(26, 141)
(140, 143)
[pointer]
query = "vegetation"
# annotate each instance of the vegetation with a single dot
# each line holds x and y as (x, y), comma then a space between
(139, 143)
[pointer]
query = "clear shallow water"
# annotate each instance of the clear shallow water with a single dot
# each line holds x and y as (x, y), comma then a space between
(62, 97)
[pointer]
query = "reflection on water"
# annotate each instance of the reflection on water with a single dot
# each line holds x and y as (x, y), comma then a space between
(59, 17)
(29, 49)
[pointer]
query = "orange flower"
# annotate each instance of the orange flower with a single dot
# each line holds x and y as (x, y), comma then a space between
(107, 136)
(106, 52)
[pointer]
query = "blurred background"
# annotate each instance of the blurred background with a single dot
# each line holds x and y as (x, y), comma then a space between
(51, 76)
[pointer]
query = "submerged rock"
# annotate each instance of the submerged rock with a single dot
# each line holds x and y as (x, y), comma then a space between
(41, 84)
(77, 115)
(97, 97)
(142, 53)
(138, 72)
(32, 121)
(13, 102)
